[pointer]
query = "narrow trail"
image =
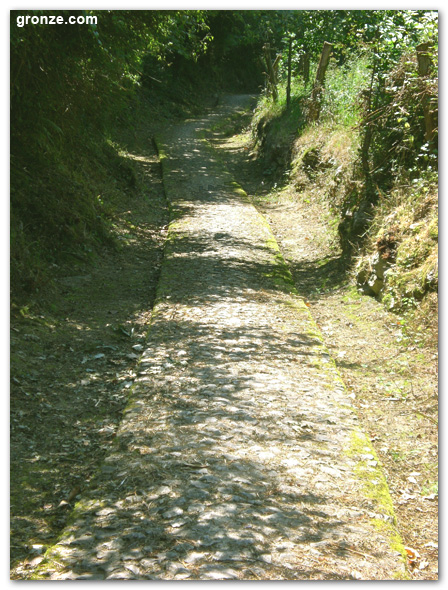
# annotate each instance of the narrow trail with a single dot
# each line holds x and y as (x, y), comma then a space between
(239, 455)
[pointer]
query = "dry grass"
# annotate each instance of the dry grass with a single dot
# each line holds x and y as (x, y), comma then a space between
(408, 218)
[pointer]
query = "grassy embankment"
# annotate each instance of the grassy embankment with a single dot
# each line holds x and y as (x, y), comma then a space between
(384, 225)
(66, 197)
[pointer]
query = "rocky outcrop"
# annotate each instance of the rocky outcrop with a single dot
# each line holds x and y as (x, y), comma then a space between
(371, 277)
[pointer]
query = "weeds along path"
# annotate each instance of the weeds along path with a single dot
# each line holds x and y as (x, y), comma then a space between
(239, 455)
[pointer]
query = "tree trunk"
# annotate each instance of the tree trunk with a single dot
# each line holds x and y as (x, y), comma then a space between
(304, 67)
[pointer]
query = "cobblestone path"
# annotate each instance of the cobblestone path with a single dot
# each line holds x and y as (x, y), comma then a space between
(239, 455)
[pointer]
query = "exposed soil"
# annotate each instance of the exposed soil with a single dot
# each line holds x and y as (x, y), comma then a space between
(74, 353)
(391, 374)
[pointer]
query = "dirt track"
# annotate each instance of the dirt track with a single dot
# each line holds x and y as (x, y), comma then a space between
(239, 455)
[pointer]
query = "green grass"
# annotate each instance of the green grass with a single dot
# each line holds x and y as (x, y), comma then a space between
(343, 86)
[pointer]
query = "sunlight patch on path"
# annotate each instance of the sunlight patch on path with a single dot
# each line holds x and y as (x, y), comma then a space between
(235, 458)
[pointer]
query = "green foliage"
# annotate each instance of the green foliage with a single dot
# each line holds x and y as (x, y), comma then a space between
(371, 156)
(275, 127)
(86, 72)
(394, 131)
(71, 87)
(343, 87)
(400, 31)
(398, 144)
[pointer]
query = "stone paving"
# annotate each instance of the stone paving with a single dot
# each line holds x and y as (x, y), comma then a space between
(239, 455)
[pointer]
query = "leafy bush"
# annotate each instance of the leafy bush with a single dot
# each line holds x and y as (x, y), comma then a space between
(71, 87)
(399, 144)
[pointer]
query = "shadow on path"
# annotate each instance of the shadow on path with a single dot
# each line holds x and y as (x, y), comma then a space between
(231, 461)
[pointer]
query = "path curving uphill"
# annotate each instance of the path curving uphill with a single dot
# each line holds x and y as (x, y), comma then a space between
(239, 455)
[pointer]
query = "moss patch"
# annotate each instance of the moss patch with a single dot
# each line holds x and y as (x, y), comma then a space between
(368, 470)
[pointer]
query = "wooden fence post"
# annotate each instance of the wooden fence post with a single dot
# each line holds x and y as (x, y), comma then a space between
(271, 73)
(288, 85)
(424, 66)
(316, 94)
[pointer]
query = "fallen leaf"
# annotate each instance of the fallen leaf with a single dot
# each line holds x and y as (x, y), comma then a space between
(430, 497)
(75, 491)
(356, 575)
(413, 555)
(404, 498)
(36, 561)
